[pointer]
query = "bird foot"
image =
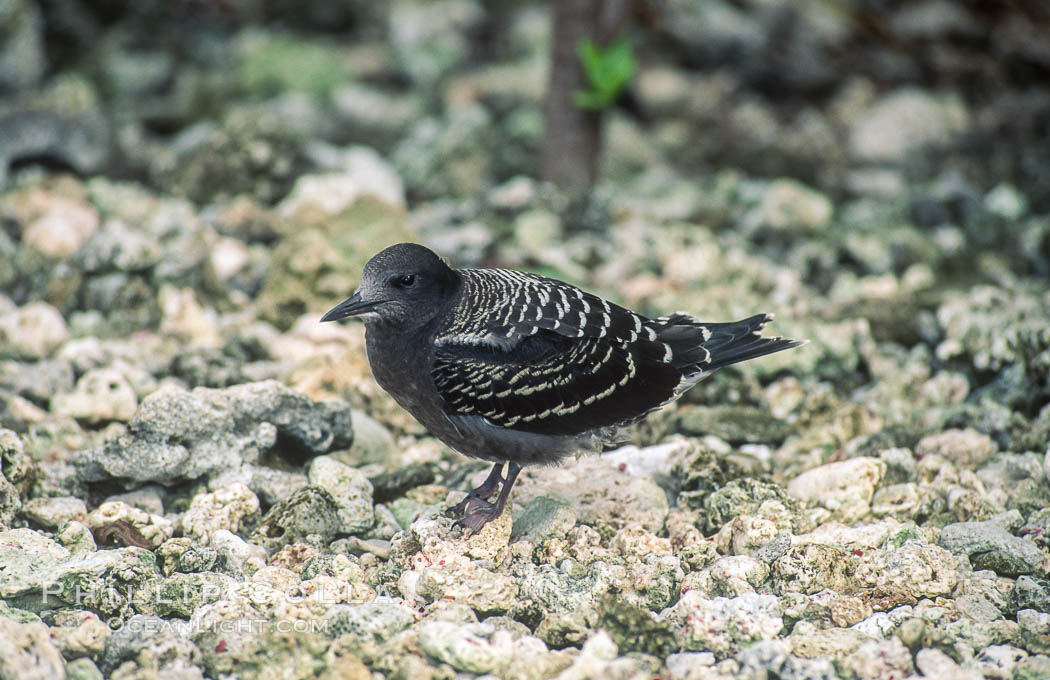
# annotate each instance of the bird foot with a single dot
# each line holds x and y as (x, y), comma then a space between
(458, 509)
(476, 514)
(483, 492)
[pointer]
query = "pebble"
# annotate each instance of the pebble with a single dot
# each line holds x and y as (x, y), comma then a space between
(990, 546)
(350, 490)
(233, 508)
(845, 488)
(54, 512)
(34, 331)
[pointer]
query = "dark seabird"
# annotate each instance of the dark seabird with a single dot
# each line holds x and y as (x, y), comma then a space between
(520, 369)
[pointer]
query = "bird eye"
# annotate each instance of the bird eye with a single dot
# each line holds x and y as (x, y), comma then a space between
(404, 281)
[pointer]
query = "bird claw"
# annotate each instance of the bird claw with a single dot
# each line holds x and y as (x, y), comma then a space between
(476, 514)
(483, 492)
(459, 508)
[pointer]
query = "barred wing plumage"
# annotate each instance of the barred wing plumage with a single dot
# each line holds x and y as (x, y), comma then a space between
(547, 357)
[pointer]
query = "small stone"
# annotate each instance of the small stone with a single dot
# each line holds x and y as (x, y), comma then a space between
(291, 559)
(149, 498)
(83, 669)
(372, 622)
(77, 538)
(1030, 593)
(811, 568)
(632, 541)
(919, 569)
(233, 508)
(184, 318)
(599, 659)
(990, 546)
(543, 518)
(18, 467)
(391, 485)
(599, 492)
(29, 559)
(845, 488)
(178, 435)
(904, 121)
(32, 332)
(746, 496)
(27, 652)
(346, 667)
(662, 90)
(164, 641)
(998, 661)
(1006, 201)
(373, 442)
(60, 224)
(405, 511)
(568, 597)
(636, 629)
(724, 625)
(690, 665)
(747, 534)
(810, 643)
(882, 660)
(896, 500)
(101, 395)
(308, 515)
(933, 663)
(377, 115)
(269, 484)
(1032, 668)
(772, 658)
(965, 448)
(430, 40)
(847, 610)
(40, 381)
(900, 465)
(105, 581)
(242, 558)
(728, 577)
(472, 648)
(358, 171)
(350, 490)
(878, 625)
(484, 591)
(79, 633)
(437, 540)
(53, 512)
(182, 594)
(789, 205)
(769, 552)
(535, 230)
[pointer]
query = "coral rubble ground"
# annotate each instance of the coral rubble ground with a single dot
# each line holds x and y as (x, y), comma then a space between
(197, 479)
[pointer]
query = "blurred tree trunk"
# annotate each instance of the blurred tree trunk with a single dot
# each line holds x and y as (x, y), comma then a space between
(572, 140)
(569, 156)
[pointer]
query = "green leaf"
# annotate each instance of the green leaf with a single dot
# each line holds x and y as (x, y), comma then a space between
(607, 71)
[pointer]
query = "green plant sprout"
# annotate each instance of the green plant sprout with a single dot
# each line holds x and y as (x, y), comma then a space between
(607, 70)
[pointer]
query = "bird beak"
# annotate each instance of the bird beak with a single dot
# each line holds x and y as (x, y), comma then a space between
(352, 306)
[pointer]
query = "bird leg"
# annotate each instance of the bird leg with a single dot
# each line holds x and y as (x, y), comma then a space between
(480, 512)
(484, 492)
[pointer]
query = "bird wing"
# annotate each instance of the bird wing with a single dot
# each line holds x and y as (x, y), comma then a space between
(502, 304)
(550, 358)
(551, 384)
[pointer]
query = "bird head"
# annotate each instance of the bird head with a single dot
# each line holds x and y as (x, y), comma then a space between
(404, 285)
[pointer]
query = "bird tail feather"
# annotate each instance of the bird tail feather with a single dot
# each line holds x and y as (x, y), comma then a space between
(736, 341)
